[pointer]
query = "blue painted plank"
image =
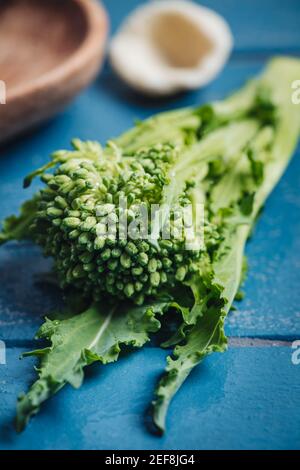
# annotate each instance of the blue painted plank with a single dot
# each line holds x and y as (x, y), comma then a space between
(244, 399)
(224, 404)
(25, 299)
(257, 25)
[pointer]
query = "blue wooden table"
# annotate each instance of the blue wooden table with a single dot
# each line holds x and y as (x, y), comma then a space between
(247, 398)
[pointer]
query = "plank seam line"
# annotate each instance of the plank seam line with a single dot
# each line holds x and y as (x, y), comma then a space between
(233, 341)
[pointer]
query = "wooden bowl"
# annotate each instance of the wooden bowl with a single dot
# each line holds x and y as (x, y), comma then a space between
(49, 51)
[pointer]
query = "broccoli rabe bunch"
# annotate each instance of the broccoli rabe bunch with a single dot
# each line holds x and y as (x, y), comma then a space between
(84, 216)
(226, 157)
(113, 218)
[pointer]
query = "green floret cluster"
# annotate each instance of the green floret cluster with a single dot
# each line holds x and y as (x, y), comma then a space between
(77, 222)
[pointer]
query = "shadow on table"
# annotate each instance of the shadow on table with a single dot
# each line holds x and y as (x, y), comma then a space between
(26, 293)
(114, 86)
